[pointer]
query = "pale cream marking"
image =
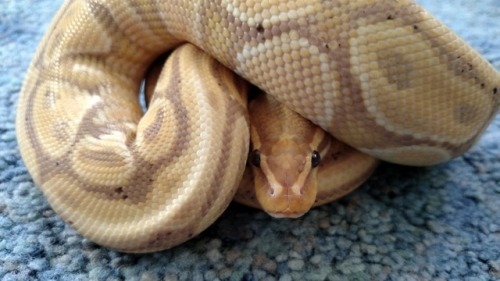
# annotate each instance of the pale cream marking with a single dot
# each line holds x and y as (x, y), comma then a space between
(97, 159)
(84, 69)
(417, 155)
(298, 185)
(271, 179)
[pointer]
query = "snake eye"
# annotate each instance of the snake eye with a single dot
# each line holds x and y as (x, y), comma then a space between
(315, 159)
(255, 158)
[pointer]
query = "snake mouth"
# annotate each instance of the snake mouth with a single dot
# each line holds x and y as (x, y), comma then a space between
(286, 214)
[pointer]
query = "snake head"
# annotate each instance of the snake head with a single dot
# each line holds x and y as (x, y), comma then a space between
(285, 178)
(286, 151)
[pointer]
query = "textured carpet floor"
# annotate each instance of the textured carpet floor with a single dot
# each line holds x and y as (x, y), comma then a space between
(438, 223)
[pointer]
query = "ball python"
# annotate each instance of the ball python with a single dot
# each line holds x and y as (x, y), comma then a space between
(384, 77)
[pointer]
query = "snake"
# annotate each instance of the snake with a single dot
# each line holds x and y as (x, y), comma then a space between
(383, 78)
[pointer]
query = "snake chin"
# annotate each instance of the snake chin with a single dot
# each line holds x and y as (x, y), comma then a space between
(286, 215)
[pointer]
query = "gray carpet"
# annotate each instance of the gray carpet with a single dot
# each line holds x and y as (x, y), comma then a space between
(437, 223)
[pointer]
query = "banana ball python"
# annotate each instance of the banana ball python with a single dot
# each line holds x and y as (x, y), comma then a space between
(383, 77)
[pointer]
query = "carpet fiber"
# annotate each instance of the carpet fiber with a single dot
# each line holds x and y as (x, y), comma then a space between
(439, 223)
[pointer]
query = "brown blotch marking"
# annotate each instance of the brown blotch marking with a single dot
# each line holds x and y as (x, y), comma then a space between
(495, 91)
(215, 70)
(214, 192)
(465, 113)
(154, 128)
(398, 71)
(60, 129)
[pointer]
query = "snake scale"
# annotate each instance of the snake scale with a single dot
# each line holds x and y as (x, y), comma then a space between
(384, 77)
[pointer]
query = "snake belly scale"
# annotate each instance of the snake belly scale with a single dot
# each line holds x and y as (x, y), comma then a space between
(384, 77)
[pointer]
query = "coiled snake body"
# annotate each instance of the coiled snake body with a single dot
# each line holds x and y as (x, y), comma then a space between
(384, 77)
